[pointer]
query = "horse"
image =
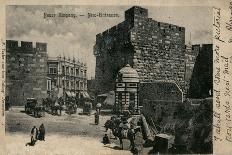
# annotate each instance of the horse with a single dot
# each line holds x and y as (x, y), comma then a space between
(47, 103)
(52, 106)
(71, 107)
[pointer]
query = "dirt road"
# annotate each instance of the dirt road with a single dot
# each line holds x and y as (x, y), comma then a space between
(75, 134)
(60, 145)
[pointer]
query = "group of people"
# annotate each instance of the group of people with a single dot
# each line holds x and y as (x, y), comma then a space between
(37, 134)
(123, 129)
(134, 134)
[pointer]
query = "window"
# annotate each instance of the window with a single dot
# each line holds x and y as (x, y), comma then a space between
(53, 84)
(67, 70)
(119, 84)
(63, 71)
(72, 85)
(132, 85)
(72, 71)
(77, 84)
(52, 70)
(81, 84)
(48, 85)
(77, 72)
(81, 72)
(63, 83)
(67, 84)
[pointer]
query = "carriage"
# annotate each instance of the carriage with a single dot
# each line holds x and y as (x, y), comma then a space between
(32, 107)
(87, 108)
(53, 106)
(71, 108)
(70, 105)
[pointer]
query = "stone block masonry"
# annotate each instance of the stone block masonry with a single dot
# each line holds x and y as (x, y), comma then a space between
(155, 49)
(25, 71)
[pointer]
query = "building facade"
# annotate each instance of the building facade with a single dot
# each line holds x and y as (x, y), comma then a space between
(26, 75)
(156, 50)
(68, 77)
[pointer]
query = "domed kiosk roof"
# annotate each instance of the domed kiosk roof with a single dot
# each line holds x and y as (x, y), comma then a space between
(128, 74)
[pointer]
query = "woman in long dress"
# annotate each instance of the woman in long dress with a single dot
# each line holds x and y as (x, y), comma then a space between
(34, 132)
(41, 132)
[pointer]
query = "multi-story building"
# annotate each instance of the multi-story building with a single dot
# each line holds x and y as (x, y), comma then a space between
(156, 50)
(26, 74)
(68, 76)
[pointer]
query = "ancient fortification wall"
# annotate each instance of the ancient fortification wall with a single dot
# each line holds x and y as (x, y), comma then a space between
(26, 71)
(154, 49)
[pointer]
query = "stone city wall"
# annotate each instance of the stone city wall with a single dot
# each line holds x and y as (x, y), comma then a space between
(25, 71)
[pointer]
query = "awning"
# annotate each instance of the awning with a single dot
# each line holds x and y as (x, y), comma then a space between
(85, 95)
(68, 93)
(102, 95)
(110, 99)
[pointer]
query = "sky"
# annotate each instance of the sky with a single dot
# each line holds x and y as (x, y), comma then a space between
(76, 37)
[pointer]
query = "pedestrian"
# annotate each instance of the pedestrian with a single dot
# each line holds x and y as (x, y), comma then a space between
(138, 142)
(34, 133)
(96, 118)
(131, 137)
(98, 107)
(42, 132)
(108, 124)
(106, 140)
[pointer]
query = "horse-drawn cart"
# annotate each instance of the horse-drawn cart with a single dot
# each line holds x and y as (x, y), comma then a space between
(32, 107)
(87, 108)
(52, 106)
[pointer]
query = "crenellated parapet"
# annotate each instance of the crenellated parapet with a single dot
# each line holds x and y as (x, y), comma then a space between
(26, 46)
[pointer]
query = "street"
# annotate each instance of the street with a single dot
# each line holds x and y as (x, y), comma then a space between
(75, 134)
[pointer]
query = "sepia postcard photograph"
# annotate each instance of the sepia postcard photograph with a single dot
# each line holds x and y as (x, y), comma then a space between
(109, 79)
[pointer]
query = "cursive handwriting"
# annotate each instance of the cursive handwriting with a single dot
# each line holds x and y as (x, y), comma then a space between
(217, 24)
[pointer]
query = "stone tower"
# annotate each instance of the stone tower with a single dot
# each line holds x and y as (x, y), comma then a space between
(154, 49)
